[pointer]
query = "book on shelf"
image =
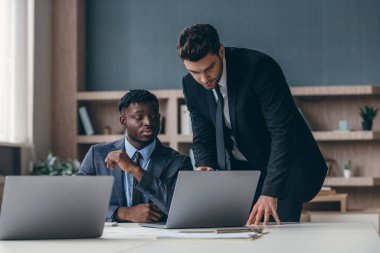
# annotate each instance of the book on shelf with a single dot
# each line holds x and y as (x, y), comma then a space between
(85, 119)
(185, 121)
(326, 191)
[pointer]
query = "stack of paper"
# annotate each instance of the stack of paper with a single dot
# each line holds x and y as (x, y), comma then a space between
(143, 232)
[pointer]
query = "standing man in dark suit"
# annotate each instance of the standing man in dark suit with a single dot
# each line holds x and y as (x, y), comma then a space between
(244, 118)
(145, 171)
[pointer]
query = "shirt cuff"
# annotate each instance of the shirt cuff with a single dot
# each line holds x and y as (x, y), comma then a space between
(111, 214)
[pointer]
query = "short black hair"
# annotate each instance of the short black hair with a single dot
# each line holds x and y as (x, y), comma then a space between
(197, 41)
(137, 96)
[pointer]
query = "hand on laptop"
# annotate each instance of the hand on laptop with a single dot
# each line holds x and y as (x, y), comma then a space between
(141, 213)
(203, 168)
(266, 206)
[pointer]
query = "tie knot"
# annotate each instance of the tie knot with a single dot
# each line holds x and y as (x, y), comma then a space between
(138, 157)
(217, 89)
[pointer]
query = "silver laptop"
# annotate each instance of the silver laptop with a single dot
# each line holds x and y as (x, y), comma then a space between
(47, 207)
(211, 199)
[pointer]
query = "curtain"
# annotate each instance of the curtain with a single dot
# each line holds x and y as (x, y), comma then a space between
(16, 70)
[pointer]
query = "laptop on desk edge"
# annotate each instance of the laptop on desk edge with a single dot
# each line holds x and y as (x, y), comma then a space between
(54, 207)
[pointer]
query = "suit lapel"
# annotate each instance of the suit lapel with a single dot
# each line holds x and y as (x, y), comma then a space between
(231, 90)
(158, 160)
(118, 174)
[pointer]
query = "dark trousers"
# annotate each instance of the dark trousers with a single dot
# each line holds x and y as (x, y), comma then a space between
(287, 210)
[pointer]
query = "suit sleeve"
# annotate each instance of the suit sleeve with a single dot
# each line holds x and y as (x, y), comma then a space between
(87, 168)
(161, 191)
(279, 112)
(204, 143)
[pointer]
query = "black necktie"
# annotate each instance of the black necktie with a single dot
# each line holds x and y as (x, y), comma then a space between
(136, 194)
(220, 132)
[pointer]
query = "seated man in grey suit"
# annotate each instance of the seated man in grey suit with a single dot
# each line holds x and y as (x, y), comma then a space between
(145, 171)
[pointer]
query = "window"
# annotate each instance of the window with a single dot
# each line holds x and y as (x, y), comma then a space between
(16, 70)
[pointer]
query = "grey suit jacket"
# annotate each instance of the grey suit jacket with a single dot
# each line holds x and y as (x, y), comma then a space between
(157, 182)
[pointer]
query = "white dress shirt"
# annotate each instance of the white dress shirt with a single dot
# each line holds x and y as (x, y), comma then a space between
(144, 163)
(223, 89)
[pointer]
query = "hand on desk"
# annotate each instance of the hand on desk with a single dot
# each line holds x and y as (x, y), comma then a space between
(264, 206)
(141, 213)
(204, 169)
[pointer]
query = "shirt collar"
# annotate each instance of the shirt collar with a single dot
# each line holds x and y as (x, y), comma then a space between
(145, 152)
(223, 78)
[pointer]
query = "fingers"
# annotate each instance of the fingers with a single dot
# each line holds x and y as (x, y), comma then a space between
(266, 206)
(156, 216)
(113, 158)
(109, 163)
(154, 212)
(275, 216)
(266, 216)
(267, 212)
(251, 218)
(203, 168)
(155, 208)
(258, 216)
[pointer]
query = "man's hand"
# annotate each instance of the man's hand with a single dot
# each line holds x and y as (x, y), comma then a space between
(264, 206)
(141, 213)
(204, 169)
(125, 163)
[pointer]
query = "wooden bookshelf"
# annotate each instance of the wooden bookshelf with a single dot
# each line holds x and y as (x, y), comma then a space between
(346, 135)
(341, 198)
(354, 90)
(116, 95)
(324, 107)
(359, 146)
(94, 139)
(185, 138)
(352, 182)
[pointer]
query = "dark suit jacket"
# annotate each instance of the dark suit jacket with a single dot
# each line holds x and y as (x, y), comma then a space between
(157, 183)
(267, 126)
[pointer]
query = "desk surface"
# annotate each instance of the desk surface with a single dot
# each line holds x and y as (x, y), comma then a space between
(307, 237)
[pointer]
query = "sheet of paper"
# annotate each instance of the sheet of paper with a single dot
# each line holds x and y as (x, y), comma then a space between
(143, 232)
(250, 235)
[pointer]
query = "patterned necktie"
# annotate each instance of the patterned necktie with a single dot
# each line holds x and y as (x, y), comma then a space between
(136, 194)
(220, 132)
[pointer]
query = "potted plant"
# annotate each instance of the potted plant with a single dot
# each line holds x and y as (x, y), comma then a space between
(347, 169)
(367, 113)
(53, 166)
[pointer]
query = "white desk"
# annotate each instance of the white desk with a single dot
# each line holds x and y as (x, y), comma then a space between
(307, 237)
